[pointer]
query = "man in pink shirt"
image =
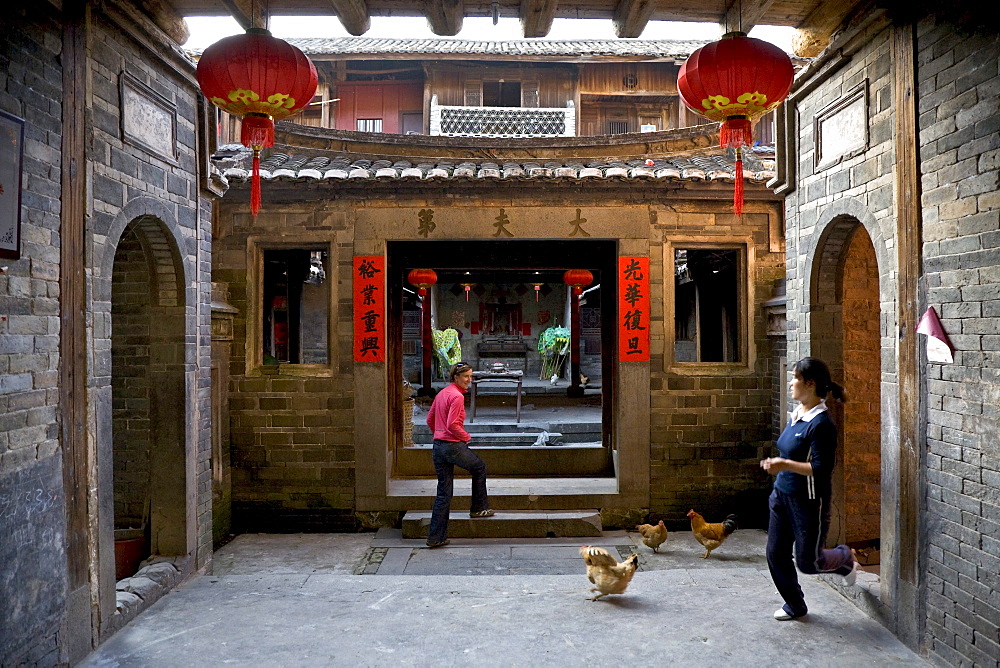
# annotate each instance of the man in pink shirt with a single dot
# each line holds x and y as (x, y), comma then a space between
(451, 446)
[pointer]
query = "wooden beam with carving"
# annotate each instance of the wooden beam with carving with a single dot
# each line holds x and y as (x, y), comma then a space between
(536, 17)
(353, 15)
(816, 30)
(631, 17)
(247, 13)
(743, 15)
(445, 16)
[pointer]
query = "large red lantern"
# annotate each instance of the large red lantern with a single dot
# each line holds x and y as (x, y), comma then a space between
(577, 278)
(422, 279)
(261, 79)
(735, 81)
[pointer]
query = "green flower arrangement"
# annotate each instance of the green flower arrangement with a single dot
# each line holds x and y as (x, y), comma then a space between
(553, 344)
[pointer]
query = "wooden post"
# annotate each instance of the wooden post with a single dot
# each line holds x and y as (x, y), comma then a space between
(908, 235)
(574, 389)
(426, 342)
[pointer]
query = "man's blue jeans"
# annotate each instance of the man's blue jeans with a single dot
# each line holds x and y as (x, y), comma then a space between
(447, 455)
(802, 523)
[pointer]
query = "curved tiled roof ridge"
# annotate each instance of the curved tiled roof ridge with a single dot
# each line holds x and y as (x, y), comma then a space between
(289, 163)
(660, 49)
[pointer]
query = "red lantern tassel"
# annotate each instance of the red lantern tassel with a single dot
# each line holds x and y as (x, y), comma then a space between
(738, 186)
(255, 185)
(737, 132)
(256, 132)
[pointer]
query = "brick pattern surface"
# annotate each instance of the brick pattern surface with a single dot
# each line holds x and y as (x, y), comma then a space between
(30, 85)
(862, 458)
(959, 111)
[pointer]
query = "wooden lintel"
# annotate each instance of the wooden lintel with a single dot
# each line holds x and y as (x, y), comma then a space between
(536, 17)
(353, 15)
(445, 16)
(816, 30)
(743, 15)
(631, 17)
(247, 13)
(167, 20)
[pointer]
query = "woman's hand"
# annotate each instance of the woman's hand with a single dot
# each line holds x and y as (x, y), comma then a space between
(773, 465)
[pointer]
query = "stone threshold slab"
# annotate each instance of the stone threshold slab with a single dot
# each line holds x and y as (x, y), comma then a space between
(509, 523)
(393, 538)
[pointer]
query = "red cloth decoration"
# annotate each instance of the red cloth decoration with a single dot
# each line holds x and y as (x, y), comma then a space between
(735, 81)
(422, 279)
(261, 79)
(578, 278)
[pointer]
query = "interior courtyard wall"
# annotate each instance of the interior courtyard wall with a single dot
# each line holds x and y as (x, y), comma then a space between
(959, 120)
(825, 203)
(291, 429)
(33, 580)
(293, 453)
(707, 435)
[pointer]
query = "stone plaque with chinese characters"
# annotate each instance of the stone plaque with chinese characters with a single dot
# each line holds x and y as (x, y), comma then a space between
(148, 120)
(841, 129)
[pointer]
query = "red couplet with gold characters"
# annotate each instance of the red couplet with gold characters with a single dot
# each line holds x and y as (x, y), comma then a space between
(633, 309)
(369, 308)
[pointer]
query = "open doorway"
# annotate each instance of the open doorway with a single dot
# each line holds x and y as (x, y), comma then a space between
(504, 308)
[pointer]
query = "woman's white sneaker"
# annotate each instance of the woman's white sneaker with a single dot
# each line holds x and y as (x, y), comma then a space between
(851, 577)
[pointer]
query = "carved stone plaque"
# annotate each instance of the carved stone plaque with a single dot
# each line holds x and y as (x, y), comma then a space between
(148, 120)
(841, 130)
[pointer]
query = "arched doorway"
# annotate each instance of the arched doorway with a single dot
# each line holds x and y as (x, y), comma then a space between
(148, 396)
(845, 307)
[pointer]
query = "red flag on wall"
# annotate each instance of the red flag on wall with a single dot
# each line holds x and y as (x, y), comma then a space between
(633, 309)
(369, 308)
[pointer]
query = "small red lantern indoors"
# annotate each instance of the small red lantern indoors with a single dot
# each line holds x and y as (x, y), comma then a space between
(735, 81)
(578, 278)
(261, 79)
(422, 279)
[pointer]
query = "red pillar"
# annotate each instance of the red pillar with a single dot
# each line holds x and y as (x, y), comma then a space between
(426, 341)
(574, 389)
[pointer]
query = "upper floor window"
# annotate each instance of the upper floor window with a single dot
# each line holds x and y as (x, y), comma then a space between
(501, 93)
(369, 125)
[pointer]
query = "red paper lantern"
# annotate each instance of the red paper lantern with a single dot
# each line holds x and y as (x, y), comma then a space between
(578, 278)
(735, 81)
(468, 288)
(261, 79)
(422, 279)
(538, 289)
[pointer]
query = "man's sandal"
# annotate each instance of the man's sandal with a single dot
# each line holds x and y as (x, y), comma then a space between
(482, 513)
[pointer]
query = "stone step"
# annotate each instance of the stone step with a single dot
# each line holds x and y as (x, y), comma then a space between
(582, 460)
(510, 524)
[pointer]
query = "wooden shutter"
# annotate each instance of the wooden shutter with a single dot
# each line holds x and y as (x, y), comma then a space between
(529, 94)
(473, 94)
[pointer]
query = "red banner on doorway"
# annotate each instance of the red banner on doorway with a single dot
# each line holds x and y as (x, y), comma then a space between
(633, 309)
(369, 308)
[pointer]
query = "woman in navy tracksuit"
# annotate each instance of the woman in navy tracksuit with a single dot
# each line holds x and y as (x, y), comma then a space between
(800, 502)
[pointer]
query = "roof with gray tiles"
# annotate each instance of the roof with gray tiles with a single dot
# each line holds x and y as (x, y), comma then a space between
(658, 49)
(233, 161)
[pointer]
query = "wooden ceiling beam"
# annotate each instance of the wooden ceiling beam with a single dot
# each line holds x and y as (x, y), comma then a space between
(631, 17)
(816, 30)
(743, 15)
(445, 16)
(536, 17)
(247, 13)
(167, 20)
(353, 15)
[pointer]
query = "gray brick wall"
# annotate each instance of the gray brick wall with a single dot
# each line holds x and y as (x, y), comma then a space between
(32, 514)
(959, 113)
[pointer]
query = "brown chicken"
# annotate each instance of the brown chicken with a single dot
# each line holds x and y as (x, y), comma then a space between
(711, 535)
(652, 536)
(608, 575)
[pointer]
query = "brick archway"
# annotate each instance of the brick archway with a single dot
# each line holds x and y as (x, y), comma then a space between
(148, 434)
(845, 326)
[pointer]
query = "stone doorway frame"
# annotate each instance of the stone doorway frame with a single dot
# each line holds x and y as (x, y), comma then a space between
(381, 222)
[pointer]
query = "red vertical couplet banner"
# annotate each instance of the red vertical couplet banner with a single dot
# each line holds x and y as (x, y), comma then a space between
(633, 309)
(369, 308)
